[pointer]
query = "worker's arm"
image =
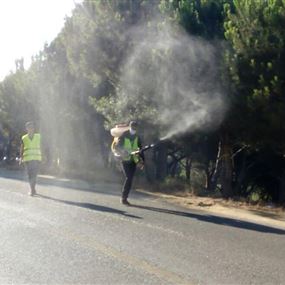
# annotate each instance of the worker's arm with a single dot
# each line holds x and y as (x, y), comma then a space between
(21, 153)
(42, 148)
(140, 147)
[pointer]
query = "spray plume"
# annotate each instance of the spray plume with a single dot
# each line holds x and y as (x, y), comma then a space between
(176, 77)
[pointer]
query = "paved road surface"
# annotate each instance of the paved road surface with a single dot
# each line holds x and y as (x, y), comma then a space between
(75, 233)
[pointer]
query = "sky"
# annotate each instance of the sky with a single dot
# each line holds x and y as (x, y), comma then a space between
(26, 25)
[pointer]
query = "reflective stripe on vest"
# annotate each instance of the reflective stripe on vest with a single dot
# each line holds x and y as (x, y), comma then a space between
(32, 147)
(131, 146)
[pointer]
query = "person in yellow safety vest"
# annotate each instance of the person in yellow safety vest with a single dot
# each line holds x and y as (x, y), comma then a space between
(127, 143)
(31, 154)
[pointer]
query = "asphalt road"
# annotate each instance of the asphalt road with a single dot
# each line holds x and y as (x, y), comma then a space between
(76, 233)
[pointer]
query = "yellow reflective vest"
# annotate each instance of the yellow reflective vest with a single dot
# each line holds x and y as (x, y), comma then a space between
(131, 146)
(32, 148)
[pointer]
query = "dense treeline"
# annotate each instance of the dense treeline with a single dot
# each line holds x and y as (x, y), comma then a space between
(116, 60)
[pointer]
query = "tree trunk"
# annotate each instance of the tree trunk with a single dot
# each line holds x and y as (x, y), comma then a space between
(161, 162)
(214, 178)
(149, 166)
(209, 174)
(240, 178)
(188, 169)
(226, 167)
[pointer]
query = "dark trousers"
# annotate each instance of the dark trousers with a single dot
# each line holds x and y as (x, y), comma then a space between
(129, 169)
(32, 168)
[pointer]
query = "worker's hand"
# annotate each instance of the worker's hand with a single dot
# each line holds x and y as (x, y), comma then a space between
(124, 153)
(20, 161)
(140, 165)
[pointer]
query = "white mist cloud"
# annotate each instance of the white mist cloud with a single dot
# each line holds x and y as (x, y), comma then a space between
(178, 75)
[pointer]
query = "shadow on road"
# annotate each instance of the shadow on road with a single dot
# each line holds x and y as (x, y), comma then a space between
(78, 185)
(205, 218)
(90, 206)
(217, 220)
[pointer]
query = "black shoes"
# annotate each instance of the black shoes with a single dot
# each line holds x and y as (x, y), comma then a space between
(125, 202)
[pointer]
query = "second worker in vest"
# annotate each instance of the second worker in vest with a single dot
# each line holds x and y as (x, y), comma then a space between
(31, 154)
(128, 143)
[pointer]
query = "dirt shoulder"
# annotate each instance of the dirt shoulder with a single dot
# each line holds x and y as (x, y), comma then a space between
(265, 214)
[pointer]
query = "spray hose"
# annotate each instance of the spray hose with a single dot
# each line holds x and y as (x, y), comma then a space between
(145, 148)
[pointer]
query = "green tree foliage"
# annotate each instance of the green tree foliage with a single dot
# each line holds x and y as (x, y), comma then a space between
(98, 41)
(255, 32)
(199, 17)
